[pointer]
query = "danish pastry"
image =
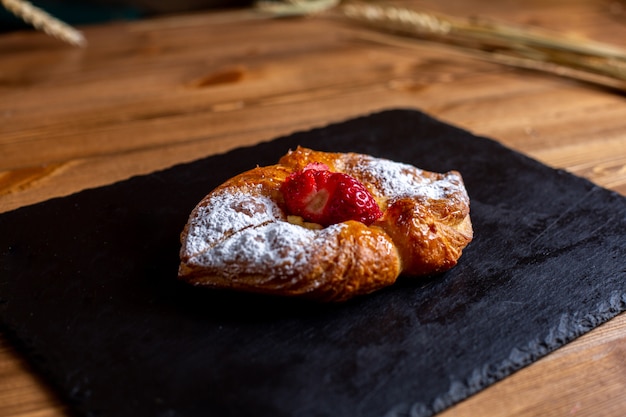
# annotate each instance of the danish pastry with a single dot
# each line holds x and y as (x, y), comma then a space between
(325, 226)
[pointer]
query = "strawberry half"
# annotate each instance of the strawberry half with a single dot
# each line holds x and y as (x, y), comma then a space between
(321, 196)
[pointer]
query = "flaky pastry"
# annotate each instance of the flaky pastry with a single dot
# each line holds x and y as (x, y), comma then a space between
(241, 237)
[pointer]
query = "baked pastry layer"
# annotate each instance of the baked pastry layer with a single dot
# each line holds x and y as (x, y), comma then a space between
(240, 237)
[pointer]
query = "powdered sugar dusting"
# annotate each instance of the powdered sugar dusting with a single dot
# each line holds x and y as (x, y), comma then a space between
(275, 249)
(395, 180)
(225, 213)
(239, 232)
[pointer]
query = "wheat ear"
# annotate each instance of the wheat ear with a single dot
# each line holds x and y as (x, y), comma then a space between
(41, 20)
(507, 44)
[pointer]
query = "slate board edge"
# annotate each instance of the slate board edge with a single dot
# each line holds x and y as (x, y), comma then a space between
(568, 329)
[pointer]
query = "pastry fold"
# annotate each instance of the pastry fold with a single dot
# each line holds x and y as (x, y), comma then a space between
(240, 237)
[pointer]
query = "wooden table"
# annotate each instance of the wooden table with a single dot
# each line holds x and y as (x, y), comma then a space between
(149, 94)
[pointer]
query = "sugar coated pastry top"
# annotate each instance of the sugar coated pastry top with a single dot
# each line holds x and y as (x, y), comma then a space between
(326, 226)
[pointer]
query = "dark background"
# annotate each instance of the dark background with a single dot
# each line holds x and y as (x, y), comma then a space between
(79, 12)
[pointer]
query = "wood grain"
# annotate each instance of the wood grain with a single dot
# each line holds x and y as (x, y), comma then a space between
(147, 95)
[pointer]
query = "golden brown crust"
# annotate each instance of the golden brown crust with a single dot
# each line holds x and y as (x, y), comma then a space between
(239, 237)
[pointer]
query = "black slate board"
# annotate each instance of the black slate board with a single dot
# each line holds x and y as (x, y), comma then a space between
(88, 291)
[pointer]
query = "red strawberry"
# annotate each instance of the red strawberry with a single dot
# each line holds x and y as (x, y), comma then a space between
(321, 196)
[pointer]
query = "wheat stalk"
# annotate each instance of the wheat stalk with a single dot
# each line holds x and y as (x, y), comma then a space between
(284, 8)
(521, 47)
(421, 23)
(41, 20)
(515, 46)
